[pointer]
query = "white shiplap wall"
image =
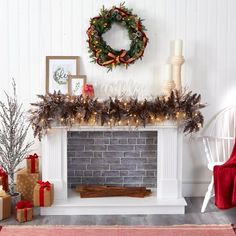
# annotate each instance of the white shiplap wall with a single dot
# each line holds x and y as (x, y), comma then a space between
(30, 30)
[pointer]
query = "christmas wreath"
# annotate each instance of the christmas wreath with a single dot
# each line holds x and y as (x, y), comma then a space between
(103, 54)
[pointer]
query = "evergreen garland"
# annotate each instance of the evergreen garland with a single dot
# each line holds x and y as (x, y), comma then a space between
(103, 54)
(65, 110)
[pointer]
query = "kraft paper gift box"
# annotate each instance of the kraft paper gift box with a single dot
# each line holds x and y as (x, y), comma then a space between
(24, 211)
(32, 163)
(4, 179)
(5, 204)
(43, 194)
(25, 183)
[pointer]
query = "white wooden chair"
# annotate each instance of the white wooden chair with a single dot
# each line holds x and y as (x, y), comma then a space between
(218, 140)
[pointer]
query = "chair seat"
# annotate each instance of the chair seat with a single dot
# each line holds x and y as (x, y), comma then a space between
(212, 164)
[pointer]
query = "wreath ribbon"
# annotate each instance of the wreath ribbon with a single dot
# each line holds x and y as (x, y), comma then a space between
(114, 58)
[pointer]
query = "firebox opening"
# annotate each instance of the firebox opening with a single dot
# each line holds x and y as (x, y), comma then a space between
(113, 158)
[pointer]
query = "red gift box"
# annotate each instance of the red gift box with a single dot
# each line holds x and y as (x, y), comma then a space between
(4, 180)
(88, 90)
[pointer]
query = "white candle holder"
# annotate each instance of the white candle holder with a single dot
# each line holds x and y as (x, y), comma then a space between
(177, 62)
(168, 86)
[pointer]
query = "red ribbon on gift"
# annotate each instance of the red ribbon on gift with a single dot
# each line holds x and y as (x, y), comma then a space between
(43, 185)
(24, 205)
(32, 159)
(4, 176)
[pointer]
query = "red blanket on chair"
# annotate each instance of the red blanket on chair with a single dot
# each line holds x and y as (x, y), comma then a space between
(225, 182)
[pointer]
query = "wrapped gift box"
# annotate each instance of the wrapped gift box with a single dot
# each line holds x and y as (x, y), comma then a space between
(4, 179)
(32, 163)
(25, 183)
(43, 194)
(24, 211)
(88, 91)
(5, 204)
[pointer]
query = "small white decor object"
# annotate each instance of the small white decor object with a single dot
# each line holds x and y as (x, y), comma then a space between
(177, 60)
(169, 83)
(121, 89)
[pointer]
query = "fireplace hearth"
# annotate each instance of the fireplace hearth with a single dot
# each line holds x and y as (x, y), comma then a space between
(114, 152)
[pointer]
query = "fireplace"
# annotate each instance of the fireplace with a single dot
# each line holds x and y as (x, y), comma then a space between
(150, 156)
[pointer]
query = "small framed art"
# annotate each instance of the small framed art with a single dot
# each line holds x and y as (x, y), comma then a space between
(76, 84)
(58, 68)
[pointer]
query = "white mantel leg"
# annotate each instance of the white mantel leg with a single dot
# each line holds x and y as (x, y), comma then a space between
(54, 161)
(169, 166)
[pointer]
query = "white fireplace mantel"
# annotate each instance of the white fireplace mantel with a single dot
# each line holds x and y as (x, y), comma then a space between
(167, 199)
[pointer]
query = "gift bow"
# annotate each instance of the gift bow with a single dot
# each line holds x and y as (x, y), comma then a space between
(23, 205)
(32, 156)
(88, 88)
(44, 185)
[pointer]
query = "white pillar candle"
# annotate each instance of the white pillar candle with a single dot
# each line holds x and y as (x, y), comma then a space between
(178, 47)
(168, 72)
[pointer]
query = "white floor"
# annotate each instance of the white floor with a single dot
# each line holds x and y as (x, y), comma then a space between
(75, 205)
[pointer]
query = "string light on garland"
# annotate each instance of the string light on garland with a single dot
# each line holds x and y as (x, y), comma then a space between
(183, 108)
(103, 54)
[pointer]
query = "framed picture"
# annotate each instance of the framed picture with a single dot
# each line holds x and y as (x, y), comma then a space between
(76, 84)
(58, 68)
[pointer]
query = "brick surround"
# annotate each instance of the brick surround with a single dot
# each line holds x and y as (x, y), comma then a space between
(117, 158)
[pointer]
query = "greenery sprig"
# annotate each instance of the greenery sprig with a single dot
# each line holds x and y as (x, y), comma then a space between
(67, 110)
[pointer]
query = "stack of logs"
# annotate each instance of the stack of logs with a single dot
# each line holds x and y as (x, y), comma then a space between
(92, 191)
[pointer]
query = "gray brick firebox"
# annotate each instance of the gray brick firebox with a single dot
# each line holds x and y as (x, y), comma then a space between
(116, 158)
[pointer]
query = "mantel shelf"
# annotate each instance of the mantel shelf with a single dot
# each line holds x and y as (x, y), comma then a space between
(162, 125)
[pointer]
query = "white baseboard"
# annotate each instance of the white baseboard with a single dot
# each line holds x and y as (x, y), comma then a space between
(194, 188)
